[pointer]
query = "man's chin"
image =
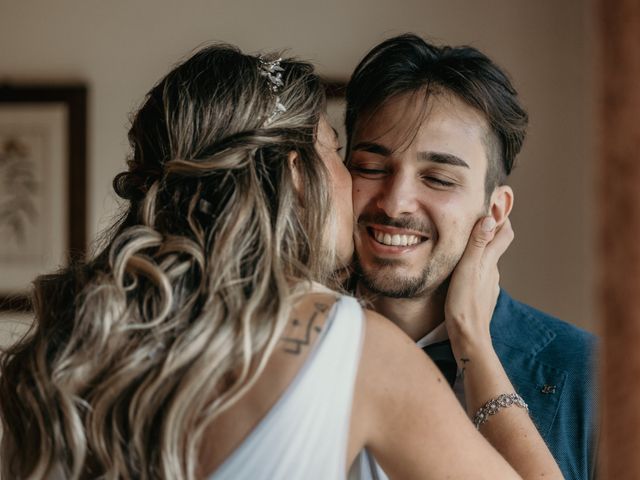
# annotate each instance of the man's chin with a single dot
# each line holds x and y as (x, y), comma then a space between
(393, 286)
(395, 280)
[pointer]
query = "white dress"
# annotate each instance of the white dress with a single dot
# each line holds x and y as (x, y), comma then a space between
(305, 434)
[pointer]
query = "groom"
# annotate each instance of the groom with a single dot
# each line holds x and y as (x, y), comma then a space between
(433, 133)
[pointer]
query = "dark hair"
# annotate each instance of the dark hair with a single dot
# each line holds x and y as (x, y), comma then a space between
(407, 63)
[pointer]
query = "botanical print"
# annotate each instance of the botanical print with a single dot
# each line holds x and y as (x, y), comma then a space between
(19, 188)
(42, 191)
(33, 194)
(23, 210)
(12, 329)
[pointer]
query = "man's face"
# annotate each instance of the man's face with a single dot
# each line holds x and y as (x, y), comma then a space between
(416, 198)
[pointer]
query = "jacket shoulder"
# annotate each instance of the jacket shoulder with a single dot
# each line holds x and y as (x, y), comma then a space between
(551, 363)
(553, 340)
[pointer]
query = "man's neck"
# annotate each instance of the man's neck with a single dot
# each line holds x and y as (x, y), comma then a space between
(415, 316)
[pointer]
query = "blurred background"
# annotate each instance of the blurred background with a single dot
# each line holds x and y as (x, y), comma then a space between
(119, 49)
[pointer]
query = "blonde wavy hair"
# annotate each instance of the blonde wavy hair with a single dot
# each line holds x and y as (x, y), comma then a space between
(134, 352)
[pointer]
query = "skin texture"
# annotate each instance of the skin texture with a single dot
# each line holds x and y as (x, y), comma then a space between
(440, 201)
(428, 183)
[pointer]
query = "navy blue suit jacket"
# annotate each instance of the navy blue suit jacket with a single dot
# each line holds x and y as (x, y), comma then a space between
(551, 365)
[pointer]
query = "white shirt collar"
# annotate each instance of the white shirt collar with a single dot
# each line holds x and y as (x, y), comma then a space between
(436, 335)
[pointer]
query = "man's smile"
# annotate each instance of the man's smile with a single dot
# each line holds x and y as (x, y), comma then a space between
(395, 239)
(384, 239)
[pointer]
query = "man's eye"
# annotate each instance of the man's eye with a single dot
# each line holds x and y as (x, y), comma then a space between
(438, 181)
(371, 172)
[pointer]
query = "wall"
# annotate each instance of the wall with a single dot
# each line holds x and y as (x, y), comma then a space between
(120, 48)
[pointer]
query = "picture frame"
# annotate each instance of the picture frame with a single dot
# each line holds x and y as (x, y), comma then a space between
(43, 169)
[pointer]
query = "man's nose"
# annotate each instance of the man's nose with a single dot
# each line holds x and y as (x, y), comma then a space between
(398, 195)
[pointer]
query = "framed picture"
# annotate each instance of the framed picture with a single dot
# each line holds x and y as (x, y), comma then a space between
(42, 184)
(336, 105)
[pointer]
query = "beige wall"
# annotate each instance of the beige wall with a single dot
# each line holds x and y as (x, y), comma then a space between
(120, 48)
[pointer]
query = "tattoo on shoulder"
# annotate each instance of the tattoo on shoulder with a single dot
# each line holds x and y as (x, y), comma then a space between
(302, 331)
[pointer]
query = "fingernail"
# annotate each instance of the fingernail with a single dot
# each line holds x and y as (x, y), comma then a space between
(488, 224)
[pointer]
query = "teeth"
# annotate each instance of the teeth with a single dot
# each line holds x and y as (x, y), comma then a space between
(395, 240)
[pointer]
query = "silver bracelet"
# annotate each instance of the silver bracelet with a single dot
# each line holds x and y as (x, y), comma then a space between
(494, 405)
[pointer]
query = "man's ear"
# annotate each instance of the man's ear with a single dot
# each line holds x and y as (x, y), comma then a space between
(294, 166)
(501, 203)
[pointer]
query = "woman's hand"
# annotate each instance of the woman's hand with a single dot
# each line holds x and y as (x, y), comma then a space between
(474, 289)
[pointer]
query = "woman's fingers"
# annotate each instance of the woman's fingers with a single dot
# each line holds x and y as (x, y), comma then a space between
(501, 241)
(482, 234)
(487, 242)
(474, 286)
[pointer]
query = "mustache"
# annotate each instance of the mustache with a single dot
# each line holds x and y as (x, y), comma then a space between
(407, 223)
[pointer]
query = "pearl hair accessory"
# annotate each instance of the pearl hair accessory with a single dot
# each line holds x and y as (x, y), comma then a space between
(272, 70)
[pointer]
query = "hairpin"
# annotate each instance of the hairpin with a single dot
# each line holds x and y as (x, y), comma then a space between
(272, 70)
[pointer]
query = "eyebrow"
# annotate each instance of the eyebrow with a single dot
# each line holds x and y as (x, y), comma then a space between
(443, 158)
(371, 147)
(436, 157)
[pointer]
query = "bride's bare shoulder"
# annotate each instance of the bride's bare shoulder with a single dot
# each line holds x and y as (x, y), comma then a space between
(307, 318)
(391, 361)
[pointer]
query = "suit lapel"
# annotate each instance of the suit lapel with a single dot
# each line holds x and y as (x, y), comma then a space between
(518, 338)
